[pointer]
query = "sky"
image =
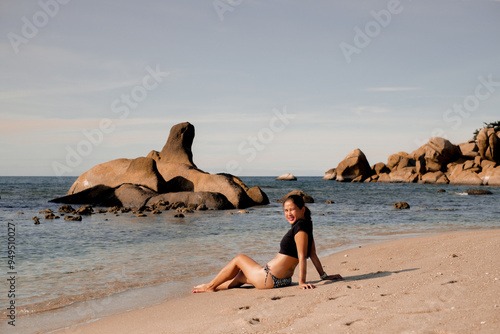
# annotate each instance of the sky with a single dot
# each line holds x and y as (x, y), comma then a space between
(271, 87)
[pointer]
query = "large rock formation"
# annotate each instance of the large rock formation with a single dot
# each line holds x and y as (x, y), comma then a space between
(437, 162)
(169, 175)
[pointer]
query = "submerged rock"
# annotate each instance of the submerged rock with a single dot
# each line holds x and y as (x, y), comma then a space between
(286, 177)
(306, 197)
(66, 209)
(478, 192)
(73, 218)
(85, 210)
(401, 205)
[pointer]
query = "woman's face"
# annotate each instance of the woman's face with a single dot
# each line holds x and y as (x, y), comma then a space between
(292, 211)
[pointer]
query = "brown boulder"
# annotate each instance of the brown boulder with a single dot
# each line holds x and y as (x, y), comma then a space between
(306, 197)
(485, 164)
(66, 208)
(400, 160)
(393, 161)
(141, 171)
(418, 153)
(286, 177)
(420, 165)
(178, 146)
(401, 206)
(379, 168)
(487, 142)
(438, 153)
(210, 200)
(403, 175)
(125, 195)
(85, 210)
(330, 174)
(99, 195)
(258, 196)
(384, 178)
(131, 195)
(465, 177)
(73, 218)
(478, 192)
(469, 149)
(491, 176)
(354, 166)
(434, 178)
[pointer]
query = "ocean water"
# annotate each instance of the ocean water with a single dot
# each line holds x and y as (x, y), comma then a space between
(72, 272)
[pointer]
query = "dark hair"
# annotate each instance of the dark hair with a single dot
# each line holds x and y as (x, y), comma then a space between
(299, 202)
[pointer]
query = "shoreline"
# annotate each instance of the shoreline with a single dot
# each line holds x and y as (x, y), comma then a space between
(408, 284)
(86, 311)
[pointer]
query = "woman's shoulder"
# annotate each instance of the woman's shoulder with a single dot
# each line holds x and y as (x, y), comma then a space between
(302, 224)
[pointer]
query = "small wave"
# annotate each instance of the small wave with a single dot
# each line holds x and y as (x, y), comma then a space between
(67, 300)
(460, 194)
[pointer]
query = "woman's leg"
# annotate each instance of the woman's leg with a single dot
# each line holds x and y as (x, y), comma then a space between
(236, 282)
(239, 271)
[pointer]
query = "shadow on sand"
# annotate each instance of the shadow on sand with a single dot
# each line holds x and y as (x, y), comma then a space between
(369, 276)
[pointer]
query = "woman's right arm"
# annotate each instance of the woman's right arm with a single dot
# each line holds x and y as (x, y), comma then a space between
(319, 267)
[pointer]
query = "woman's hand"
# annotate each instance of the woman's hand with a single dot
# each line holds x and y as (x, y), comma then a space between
(306, 286)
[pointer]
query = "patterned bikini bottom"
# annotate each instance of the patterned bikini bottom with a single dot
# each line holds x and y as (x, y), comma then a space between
(278, 282)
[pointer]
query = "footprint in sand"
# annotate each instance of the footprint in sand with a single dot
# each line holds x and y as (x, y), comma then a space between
(352, 322)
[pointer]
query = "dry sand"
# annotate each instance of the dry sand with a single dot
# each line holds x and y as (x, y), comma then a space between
(447, 283)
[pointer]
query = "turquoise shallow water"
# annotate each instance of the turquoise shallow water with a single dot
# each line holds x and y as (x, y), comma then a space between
(73, 271)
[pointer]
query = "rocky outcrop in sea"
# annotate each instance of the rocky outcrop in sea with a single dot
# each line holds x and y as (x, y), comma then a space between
(474, 163)
(169, 175)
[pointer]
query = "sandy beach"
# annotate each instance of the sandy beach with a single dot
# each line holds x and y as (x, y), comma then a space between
(446, 283)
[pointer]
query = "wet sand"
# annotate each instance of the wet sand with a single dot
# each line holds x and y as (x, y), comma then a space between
(446, 283)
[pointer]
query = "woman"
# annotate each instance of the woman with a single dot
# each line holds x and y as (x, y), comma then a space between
(295, 247)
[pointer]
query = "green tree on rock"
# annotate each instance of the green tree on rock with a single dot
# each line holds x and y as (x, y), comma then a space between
(494, 125)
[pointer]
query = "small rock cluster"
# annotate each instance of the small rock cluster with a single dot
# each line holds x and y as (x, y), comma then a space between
(71, 214)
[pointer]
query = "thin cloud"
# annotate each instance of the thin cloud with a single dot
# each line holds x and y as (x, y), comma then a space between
(363, 110)
(393, 89)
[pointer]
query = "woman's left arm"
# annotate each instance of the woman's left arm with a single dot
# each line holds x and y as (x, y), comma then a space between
(301, 241)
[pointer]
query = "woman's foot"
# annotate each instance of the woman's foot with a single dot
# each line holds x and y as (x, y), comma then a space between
(202, 288)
